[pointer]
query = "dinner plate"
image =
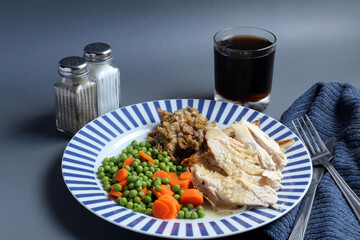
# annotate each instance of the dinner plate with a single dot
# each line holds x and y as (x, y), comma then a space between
(108, 134)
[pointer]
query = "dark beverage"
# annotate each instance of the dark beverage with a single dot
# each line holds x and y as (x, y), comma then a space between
(243, 76)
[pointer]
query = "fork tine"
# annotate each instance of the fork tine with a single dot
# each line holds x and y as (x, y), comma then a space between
(317, 149)
(318, 138)
(307, 142)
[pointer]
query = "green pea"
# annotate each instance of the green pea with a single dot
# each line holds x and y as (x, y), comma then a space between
(107, 168)
(135, 165)
(149, 211)
(148, 174)
(141, 174)
(130, 156)
(148, 153)
(139, 188)
(101, 175)
(177, 196)
(158, 187)
(146, 168)
(100, 169)
(123, 201)
(127, 168)
(147, 199)
(131, 185)
(157, 182)
(106, 160)
(190, 206)
(114, 169)
(185, 209)
(139, 169)
(194, 215)
(160, 157)
(200, 208)
(181, 214)
(141, 194)
(187, 214)
(123, 156)
(170, 164)
(179, 168)
(117, 187)
(126, 193)
(175, 187)
(133, 193)
(173, 169)
(149, 193)
(129, 148)
(181, 206)
(111, 164)
(113, 159)
(134, 143)
(107, 187)
(138, 183)
(165, 180)
(201, 213)
(126, 188)
(155, 152)
(180, 192)
(164, 153)
(156, 179)
(137, 200)
(105, 179)
(162, 165)
(124, 151)
(134, 152)
(142, 144)
(150, 204)
(147, 144)
(131, 179)
(129, 205)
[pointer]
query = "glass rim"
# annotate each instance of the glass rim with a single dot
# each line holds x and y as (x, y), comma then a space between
(273, 43)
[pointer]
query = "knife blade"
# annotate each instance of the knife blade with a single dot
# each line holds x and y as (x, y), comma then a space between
(299, 229)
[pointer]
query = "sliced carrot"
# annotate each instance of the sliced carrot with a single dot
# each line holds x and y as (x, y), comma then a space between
(123, 183)
(121, 175)
(164, 190)
(147, 157)
(116, 193)
(184, 184)
(161, 174)
(185, 175)
(144, 190)
(170, 203)
(193, 196)
(173, 178)
(170, 198)
(128, 162)
(160, 209)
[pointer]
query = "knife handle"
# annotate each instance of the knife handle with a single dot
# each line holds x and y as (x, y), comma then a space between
(348, 193)
(298, 232)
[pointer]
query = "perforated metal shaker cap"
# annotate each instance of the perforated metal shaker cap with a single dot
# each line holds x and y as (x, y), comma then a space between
(73, 67)
(98, 52)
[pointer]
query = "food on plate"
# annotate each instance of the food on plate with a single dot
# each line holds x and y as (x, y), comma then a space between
(144, 179)
(181, 134)
(239, 169)
(187, 158)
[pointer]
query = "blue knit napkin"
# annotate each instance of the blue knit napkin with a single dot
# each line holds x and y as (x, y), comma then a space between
(334, 109)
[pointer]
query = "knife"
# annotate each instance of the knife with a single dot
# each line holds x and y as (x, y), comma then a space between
(299, 229)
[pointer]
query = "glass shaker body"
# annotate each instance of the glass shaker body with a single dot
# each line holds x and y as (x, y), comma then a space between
(105, 75)
(107, 79)
(75, 96)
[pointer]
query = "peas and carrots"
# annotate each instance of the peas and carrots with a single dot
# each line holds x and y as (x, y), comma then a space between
(144, 179)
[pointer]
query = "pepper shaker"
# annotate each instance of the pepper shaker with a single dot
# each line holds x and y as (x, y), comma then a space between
(105, 75)
(75, 95)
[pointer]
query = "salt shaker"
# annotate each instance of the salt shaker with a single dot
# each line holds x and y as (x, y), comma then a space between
(75, 95)
(105, 75)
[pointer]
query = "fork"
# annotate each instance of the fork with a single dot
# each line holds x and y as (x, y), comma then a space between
(320, 155)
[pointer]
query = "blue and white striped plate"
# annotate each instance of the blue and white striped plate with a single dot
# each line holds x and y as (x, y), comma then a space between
(107, 135)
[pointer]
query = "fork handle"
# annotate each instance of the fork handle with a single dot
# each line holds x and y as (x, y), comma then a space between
(351, 197)
(298, 231)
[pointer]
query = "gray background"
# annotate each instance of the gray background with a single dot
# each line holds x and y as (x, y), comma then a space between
(164, 50)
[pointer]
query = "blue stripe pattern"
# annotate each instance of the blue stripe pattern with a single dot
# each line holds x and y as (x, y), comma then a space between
(148, 112)
(121, 121)
(82, 149)
(97, 132)
(103, 207)
(253, 116)
(162, 227)
(179, 104)
(87, 143)
(148, 225)
(229, 225)
(216, 228)
(230, 114)
(189, 230)
(123, 218)
(255, 219)
(210, 110)
(85, 134)
(157, 106)
(241, 222)
(97, 122)
(175, 229)
(77, 162)
(131, 119)
(220, 112)
(168, 106)
(203, 230)
(77, 169)
(78, 175)
(140, 116)
(136, 222)
(109, 121)
(242, 114)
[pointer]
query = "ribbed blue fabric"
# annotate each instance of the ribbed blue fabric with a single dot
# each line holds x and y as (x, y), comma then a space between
(334, 109)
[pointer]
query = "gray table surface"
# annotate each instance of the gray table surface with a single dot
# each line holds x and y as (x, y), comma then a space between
(164, 50)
